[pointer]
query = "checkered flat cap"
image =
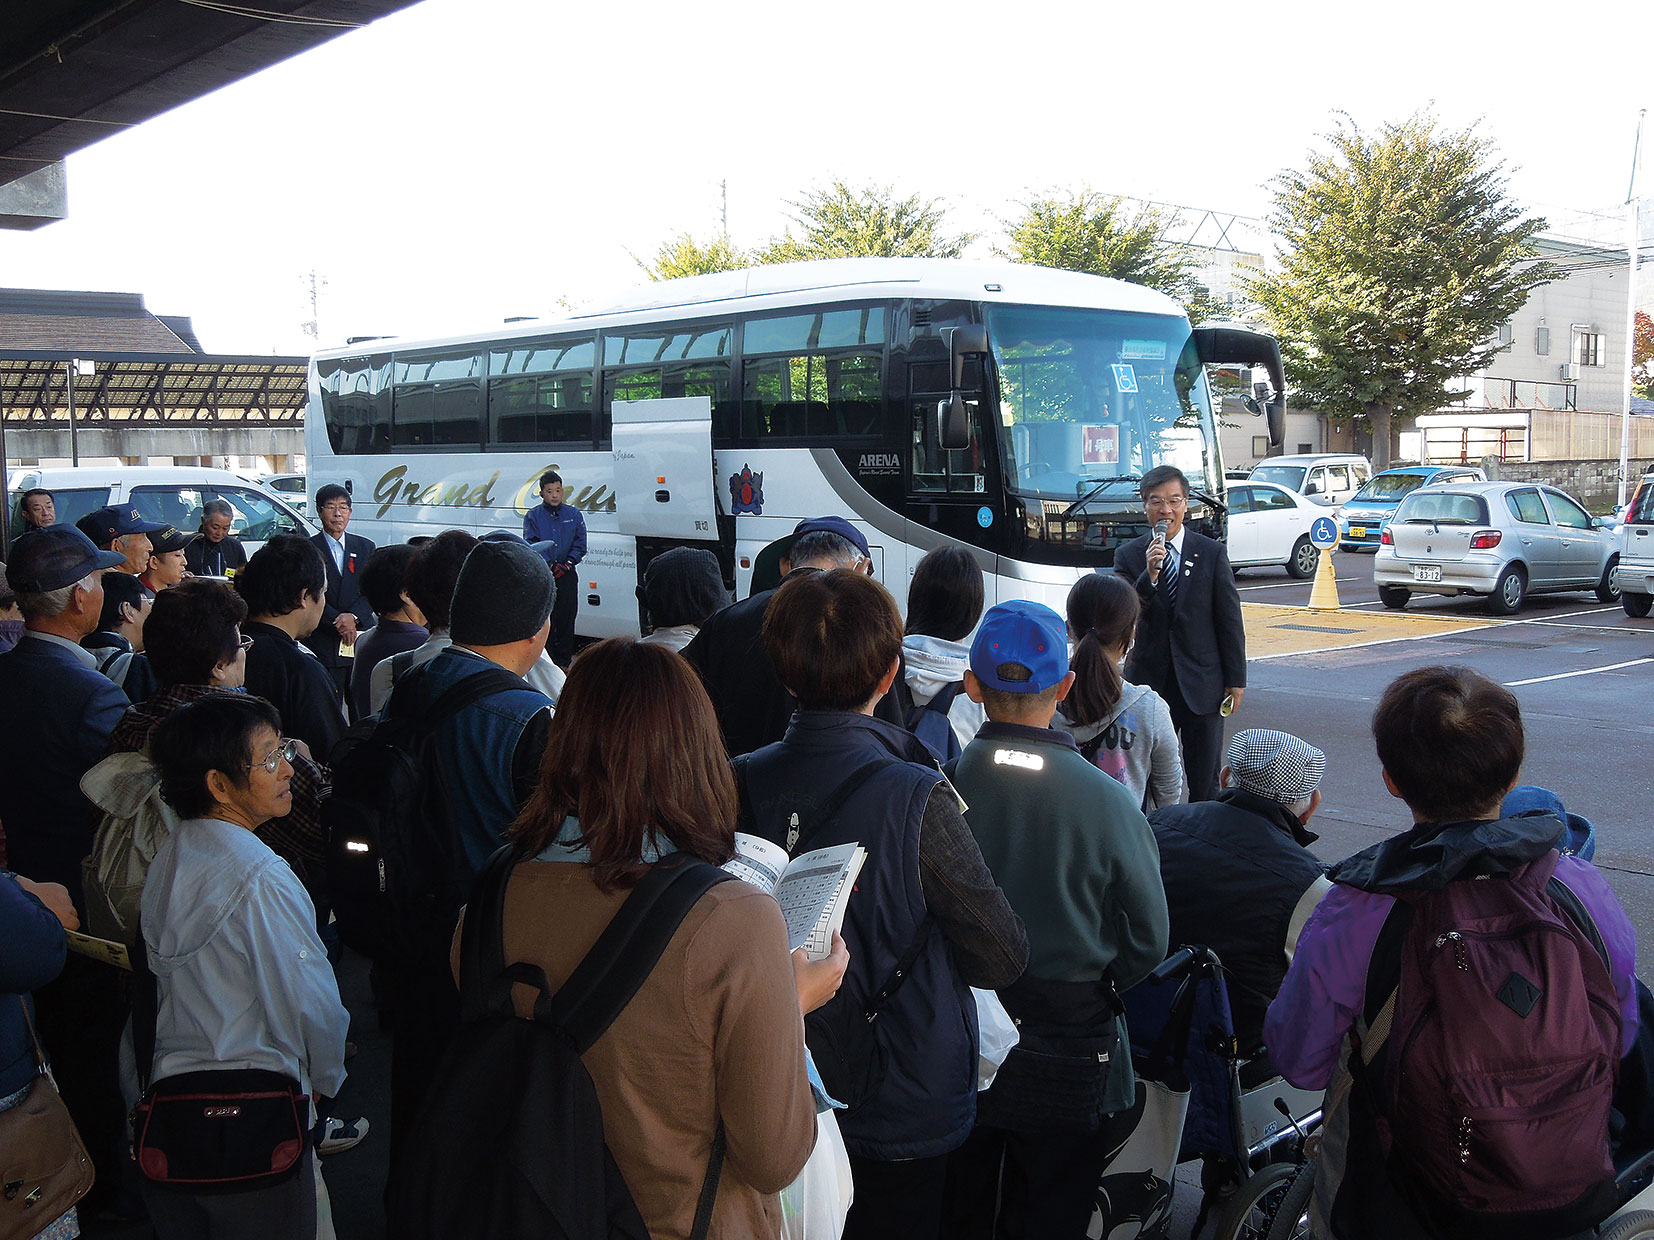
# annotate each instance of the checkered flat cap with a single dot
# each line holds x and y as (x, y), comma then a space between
(1276, 765)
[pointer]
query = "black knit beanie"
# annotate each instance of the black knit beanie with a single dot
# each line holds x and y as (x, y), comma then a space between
(503, 595)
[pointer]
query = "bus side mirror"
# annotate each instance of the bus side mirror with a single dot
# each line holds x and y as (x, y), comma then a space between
(971, 338)
(953, 423)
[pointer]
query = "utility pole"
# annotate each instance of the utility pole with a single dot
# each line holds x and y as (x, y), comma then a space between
(1632, 241)
(723, 191)
(312, 327)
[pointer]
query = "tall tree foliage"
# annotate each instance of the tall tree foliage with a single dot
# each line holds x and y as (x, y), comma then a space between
(1094, 233)
(1642, 357)
(1401, 256)
(844, 221)
(683, 255)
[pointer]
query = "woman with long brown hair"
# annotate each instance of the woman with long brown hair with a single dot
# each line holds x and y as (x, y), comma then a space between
(634, 772)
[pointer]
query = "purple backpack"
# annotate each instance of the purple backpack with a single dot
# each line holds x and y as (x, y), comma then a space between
(1502, 1058)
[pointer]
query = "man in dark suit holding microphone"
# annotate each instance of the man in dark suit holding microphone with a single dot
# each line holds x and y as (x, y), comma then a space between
(346, 613)
(1191, 643)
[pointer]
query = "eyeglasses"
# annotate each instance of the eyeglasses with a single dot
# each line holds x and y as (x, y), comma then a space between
(243, 643)
(285, 751)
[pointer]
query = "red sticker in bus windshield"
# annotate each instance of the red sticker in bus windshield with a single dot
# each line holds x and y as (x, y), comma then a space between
(1101, 445)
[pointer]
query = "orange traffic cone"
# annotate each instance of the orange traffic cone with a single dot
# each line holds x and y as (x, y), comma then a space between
(1323, 595)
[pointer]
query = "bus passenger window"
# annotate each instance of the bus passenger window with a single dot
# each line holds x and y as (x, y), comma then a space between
(822, 397)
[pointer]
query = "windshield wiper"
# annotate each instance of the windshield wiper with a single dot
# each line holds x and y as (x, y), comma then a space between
(1213, 500)
(1097, 488)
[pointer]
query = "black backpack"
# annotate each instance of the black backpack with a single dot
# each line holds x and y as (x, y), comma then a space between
(394, 866)
(509, 1140)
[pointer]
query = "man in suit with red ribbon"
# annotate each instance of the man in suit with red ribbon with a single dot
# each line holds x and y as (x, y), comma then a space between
(1191, 642)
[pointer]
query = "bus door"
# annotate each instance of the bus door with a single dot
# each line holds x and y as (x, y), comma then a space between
(663, 476)
(947, 490)
(663, 468)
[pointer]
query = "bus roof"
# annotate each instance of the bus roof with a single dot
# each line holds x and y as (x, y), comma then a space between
(780, 285)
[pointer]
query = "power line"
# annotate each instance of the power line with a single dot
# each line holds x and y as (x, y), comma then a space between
(266, 15)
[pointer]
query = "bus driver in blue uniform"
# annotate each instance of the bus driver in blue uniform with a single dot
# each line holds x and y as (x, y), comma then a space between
(558, 532)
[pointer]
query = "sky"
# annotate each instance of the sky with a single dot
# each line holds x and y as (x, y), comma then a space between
(467, 160)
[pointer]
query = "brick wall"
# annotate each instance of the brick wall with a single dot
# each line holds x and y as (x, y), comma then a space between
(1594, 483)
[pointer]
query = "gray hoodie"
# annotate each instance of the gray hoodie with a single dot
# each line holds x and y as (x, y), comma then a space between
(1140, 749)
(932, 664)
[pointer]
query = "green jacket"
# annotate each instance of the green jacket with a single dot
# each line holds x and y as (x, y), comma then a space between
(1074, 856)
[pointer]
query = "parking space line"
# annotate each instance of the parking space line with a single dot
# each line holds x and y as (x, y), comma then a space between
(1589, 671)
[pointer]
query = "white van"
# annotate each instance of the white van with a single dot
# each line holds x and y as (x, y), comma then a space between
(1327, 479)
(171, 494)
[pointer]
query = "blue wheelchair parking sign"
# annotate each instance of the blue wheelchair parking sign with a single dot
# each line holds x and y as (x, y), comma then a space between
(1324, 533)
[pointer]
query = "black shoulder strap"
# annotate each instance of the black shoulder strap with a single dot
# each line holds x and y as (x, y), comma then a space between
(492, 679)
(904, 966)
(744, 818)
(942, 703)
(1565, 899)
(146, 1007)
(902, 694)
(799, 833)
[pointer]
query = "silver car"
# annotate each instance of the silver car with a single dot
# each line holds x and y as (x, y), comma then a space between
(1501, 540)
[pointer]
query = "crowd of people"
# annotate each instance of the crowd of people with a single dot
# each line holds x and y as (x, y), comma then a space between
(1046, 802)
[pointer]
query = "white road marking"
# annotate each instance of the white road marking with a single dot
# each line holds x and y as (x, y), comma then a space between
(1589, 671)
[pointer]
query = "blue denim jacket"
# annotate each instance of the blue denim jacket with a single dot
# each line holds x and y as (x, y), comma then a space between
(478, 748)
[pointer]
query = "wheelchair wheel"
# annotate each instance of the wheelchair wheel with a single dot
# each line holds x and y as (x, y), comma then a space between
(1638, 1226)
(1291, 1220)
(1256, 1203)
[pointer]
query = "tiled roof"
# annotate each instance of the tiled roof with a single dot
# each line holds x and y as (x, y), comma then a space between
(95, 322)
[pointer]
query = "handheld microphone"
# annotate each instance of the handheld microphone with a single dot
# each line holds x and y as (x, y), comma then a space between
(1160, 528)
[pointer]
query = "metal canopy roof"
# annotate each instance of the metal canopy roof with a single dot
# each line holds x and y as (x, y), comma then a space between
(155, 389)
(75, 71)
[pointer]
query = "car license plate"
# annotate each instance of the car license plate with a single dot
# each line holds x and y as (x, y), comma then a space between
(1358, 531)
(1427, 572)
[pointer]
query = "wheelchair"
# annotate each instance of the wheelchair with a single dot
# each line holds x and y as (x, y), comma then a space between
(1198, 1097)
(1634, 1220)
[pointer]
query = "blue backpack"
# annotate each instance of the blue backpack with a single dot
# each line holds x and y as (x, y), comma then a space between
(930, 721)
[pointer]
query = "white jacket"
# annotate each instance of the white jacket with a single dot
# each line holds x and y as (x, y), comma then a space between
(932, 664)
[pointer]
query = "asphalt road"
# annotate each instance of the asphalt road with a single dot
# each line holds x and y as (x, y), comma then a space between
(1582, 671)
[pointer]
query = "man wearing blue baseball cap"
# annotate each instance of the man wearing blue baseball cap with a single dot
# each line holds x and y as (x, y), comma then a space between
(1075, 857)
(753, 706)
(120, 528)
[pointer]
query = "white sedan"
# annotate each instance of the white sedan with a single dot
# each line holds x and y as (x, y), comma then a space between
(1270, 525)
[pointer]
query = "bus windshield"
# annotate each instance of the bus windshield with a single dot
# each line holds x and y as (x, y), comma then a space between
(1086, 395)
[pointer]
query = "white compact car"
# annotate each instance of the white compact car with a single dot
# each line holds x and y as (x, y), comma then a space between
(1269, 524)
(171, 494)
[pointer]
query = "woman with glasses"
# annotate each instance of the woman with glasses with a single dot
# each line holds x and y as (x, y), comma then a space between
(195, 646)
(230, 934)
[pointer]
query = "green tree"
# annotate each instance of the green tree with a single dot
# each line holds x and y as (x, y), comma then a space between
(1401, 257)
(685, 256)
(1642, 358)
(866, 222)
(1094, 233)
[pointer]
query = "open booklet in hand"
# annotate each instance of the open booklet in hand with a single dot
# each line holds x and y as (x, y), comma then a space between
(813, 889)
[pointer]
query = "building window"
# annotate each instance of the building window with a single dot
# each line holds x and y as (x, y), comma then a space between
(1542, 341)
(1506, 335)
(1587, 347)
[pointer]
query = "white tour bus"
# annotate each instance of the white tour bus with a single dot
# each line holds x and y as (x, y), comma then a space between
(1005, 407)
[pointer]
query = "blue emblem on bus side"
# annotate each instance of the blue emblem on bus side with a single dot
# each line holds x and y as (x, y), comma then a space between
(746, 492)
(984, 516)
